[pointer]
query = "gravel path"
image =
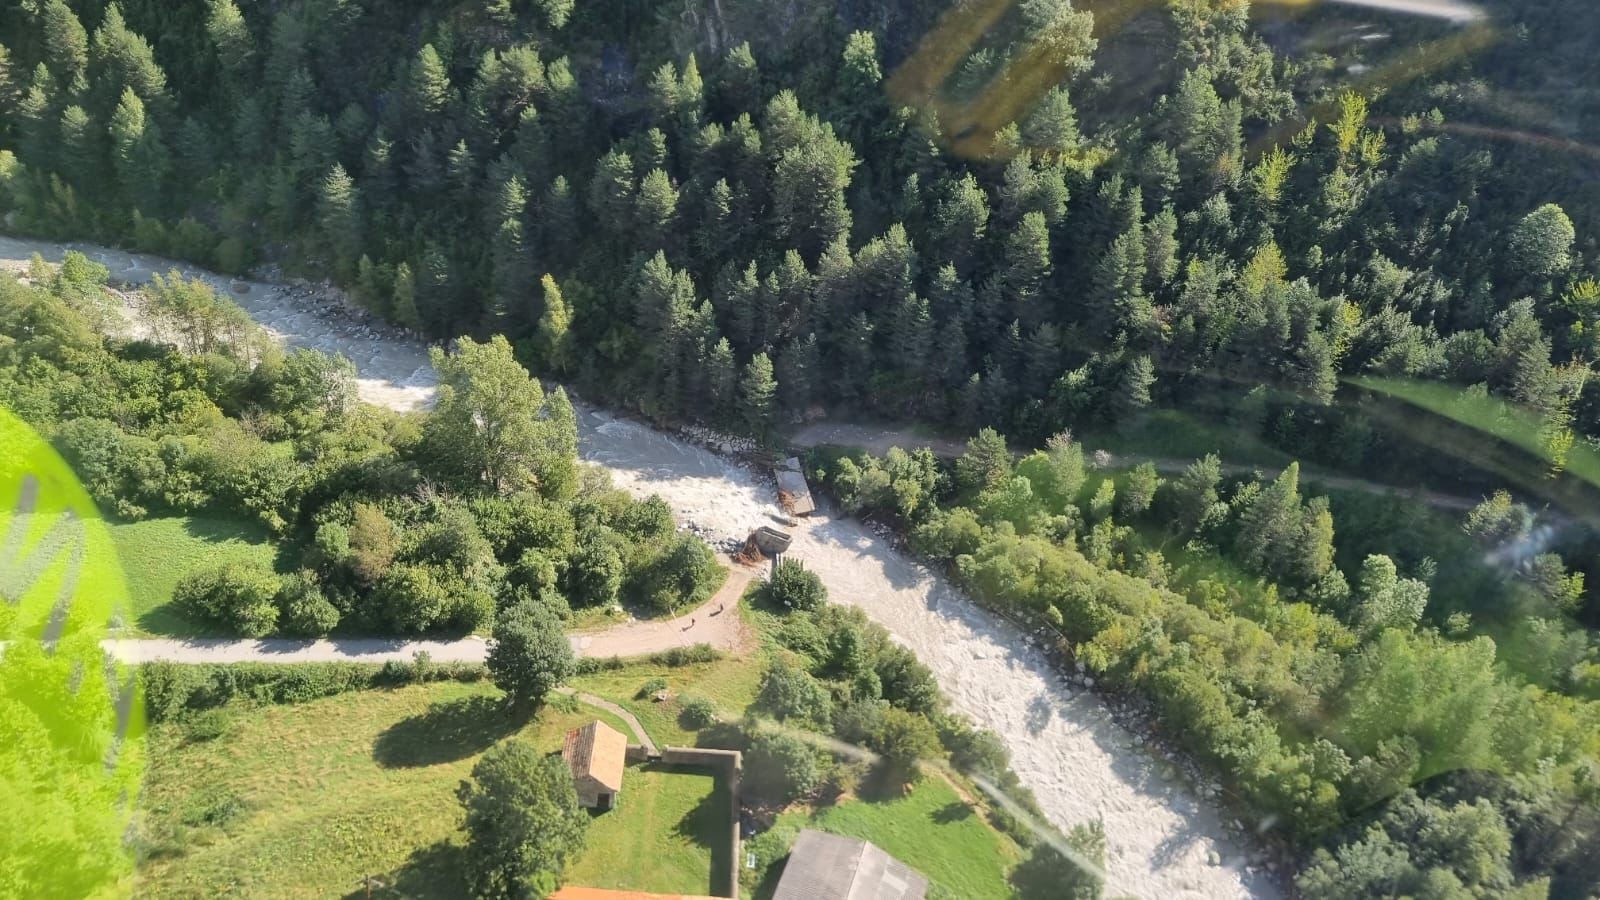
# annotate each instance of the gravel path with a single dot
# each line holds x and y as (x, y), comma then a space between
(1161, 841)
(602, 703)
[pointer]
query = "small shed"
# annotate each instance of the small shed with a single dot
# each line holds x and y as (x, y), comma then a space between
(794, 495)
(826, 866)
(597, 754)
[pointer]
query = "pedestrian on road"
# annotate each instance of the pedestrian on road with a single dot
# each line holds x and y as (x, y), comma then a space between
(691, 621)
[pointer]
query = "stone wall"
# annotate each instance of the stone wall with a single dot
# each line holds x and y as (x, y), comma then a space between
(730, 765)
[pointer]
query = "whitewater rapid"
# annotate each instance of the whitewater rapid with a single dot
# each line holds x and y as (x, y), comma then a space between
(1162, 842)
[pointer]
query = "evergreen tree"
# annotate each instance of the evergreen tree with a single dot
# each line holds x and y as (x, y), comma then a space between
(138, 154)
(808, 192)
(611, 192)
(66, 44)
(797, 370)
(757, 391)
(722, 381)
(428, 86)
(960, 221)
(554, 338)
(1271, 525)
(656, 211)
(125, 61)
(739, 81)
(236, 47)
(79, 150)
(340, 219)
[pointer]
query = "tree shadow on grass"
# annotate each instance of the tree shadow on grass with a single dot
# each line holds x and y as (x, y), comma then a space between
(710, 825)
(437, 870)
(448, 731)
(954, 811)
(883, 784)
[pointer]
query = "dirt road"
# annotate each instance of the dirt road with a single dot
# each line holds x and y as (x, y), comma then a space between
(878, 440)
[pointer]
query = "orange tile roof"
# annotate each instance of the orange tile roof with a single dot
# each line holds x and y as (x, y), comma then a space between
(597, 751)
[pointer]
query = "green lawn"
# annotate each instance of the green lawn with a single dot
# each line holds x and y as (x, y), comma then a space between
(668, 834)
(157, 553)
(930, 829)
(301, 801)
(729, 683)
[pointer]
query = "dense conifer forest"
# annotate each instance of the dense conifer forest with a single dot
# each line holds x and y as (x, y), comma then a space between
(1303, 225)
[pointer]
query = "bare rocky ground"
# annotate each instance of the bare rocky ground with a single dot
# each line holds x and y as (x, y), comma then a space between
(1163, 841)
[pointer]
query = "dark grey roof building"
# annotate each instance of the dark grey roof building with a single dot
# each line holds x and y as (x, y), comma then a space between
(829, 867)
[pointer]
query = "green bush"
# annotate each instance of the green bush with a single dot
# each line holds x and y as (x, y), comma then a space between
(696, 712)
(677, 657)
(780, 767)
(590, 665)
(238, 596)
(651, 686)
(682, 575)
(207, 726)
(302, 608)
(788, 692)
(792, 586)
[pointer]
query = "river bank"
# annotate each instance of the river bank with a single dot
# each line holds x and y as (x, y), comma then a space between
(1162, 840)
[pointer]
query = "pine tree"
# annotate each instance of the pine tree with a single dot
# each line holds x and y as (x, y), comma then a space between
(34, 118)
(757, 391)
(739, 81)
(1132, 391)
(714, 239)
(797, 372)
(236, 48)
(853, 363)
(1027, 261)
(80, 151)
(558, 219)
(1271, 527)
(556, 12)
(139, 156)
(554, 342)
(911, 339)
(743, 308)
(722, 381)
(340, 219)
(428, 85)
(858, 94)
(1041, 360)
(691, 99)
(511, 282)
(808, 193)
(611, 192)
(1052, 128)
(405, 298)
(125, 61)
(1194, 493)
(960, 221)
(66, 45)
(656, 212)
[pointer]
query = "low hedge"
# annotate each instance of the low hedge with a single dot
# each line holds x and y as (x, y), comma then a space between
(174, 690)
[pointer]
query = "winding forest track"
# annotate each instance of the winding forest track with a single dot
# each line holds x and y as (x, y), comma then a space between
(878, 441)
(1161, 839)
